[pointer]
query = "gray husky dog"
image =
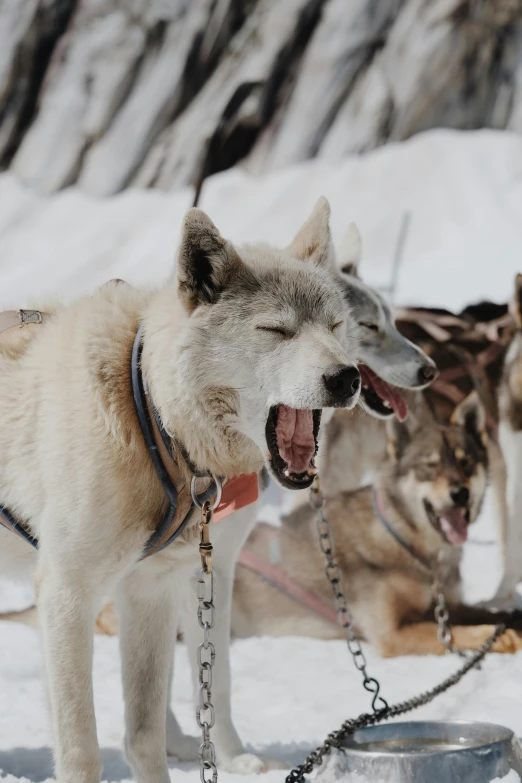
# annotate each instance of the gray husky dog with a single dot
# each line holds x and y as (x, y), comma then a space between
(240, 351)
(354, 443)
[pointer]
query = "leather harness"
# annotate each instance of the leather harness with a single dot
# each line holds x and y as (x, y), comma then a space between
(379, 511)
(175, 469)
(272, 571)
(172, 464)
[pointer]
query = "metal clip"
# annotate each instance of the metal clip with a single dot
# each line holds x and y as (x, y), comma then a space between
(205, 547)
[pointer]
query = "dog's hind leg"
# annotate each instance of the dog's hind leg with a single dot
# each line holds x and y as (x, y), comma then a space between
(511, 443)
(67, 609)
(147, 602)
(421, 639)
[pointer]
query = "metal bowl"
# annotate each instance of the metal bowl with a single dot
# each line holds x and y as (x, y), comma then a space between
(432, 752)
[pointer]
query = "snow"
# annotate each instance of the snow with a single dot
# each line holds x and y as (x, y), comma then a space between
(464, 191)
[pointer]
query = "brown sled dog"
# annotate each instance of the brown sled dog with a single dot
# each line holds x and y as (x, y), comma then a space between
(428, 491)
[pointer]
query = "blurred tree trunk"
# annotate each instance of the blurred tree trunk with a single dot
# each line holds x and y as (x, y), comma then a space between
(109, 93)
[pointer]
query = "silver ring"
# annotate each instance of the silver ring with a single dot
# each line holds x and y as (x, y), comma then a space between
(219, 491)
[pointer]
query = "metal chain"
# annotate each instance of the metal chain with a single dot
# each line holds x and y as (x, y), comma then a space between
(349, 727)
(441, 612)
(335, 738)
(344, 616)
(206, 652)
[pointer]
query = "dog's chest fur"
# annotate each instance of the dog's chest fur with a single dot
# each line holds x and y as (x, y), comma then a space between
(71, 450)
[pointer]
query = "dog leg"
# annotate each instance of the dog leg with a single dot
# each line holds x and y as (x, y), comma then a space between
(66, 612)
(421, 639)
(511, 443)
(498, 477)
(147, 603)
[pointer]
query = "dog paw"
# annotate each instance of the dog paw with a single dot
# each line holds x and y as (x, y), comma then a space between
(250, 764)
(183, 747)
(510, 642)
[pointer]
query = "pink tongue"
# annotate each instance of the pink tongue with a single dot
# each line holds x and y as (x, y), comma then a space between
(295, 438)
(385, 392)
(453, 522)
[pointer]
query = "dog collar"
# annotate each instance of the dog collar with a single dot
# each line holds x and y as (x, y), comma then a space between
(379, 510)
(175, 469)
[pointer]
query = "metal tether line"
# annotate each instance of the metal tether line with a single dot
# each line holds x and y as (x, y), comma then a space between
(381, 710)
(206, 653)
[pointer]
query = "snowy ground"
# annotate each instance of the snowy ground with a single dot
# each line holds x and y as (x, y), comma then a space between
(465, 195)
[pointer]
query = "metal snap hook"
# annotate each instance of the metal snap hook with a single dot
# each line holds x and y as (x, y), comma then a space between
(219, 491)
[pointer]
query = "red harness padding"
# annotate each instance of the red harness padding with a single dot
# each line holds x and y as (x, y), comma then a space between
(237, 493)
(276, 575)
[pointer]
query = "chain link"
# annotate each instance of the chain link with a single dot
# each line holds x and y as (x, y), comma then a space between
(345, 619)
(206, 653)
(442, 617)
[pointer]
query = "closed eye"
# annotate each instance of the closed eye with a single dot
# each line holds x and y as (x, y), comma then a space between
(280, 330)
(370, 326)
(337, 325)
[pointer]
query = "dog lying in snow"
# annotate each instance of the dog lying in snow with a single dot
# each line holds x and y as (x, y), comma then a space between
(387, 539)
(240, 354)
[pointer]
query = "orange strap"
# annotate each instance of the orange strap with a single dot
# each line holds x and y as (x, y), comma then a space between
(237, 493)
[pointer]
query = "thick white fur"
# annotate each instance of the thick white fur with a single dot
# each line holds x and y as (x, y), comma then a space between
(74, 466)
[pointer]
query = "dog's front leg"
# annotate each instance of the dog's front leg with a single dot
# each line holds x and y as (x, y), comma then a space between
(66, 611)
(511, 444)
(147, 606)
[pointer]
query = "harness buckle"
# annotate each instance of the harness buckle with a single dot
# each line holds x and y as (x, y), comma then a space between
(30, 317)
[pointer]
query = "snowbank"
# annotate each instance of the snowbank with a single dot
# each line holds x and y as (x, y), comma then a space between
(464, 192)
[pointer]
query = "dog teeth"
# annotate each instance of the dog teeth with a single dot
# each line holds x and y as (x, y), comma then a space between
(312, 471)
(286, 472)
(386, 404)
(365, 386)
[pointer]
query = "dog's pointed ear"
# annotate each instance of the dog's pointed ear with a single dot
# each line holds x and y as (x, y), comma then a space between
(471, 414)
(516, 306)
(206, 261)
(350, 253)
(313, 240)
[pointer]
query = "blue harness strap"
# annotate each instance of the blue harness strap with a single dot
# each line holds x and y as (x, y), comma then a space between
(10, 523)
(396, 535)
(156, 439)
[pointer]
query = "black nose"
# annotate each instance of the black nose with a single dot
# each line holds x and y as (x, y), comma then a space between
(427, 374)
(460, 495)
(342, 383)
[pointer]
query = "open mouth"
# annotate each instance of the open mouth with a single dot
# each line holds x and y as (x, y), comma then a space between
(379, 398)
(291, 437)
(451, 524)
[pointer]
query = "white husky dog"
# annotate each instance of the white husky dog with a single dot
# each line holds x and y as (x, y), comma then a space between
(240, 354)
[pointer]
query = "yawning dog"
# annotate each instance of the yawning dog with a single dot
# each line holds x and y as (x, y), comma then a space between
(240, 352)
